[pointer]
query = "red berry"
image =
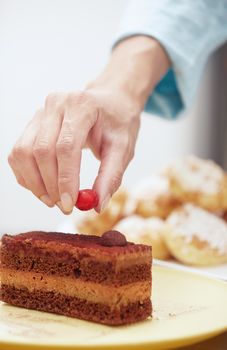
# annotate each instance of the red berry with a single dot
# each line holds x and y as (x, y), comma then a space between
(87, 199)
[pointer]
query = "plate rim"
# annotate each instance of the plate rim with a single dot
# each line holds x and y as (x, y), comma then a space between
(157, 345)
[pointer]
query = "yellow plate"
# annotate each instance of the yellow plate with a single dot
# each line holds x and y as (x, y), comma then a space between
(187, 308)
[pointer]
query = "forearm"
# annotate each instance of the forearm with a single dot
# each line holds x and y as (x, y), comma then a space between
(136, 65)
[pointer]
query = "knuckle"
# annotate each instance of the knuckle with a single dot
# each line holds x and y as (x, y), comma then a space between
(64, 179)
(87, 105)
(41, 150)
(52, 100)
(65, 146)
(79, 97)
(72, 98)
(20, 152)
(67, 125)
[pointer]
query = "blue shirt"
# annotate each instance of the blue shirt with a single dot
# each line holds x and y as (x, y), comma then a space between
(189, 31)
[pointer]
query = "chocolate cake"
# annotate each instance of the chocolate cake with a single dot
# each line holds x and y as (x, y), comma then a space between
(102, 279)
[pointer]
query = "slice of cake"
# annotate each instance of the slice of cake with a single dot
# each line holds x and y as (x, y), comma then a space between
(102, 279)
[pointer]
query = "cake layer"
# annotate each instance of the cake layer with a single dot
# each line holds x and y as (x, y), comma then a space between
(75, 307)
(74, 244)
(82, 266)
(92, 292)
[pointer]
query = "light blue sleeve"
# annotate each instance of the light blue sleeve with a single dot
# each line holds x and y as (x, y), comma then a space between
(189, 31)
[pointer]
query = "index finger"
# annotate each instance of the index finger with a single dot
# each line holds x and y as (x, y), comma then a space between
(75, 128)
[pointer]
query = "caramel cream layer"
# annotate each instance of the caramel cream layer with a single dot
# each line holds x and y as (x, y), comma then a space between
(92, 292)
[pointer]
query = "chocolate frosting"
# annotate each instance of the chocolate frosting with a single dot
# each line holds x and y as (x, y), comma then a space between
(108, 239)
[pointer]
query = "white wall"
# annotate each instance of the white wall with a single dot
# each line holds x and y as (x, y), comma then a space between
(48, 45)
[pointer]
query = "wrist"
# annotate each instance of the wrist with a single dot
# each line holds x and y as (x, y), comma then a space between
(136, 65)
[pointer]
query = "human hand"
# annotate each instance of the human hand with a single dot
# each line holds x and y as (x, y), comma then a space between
(105, 117)
(46, 159)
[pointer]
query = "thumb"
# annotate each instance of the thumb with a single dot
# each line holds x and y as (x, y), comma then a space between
(109, 178)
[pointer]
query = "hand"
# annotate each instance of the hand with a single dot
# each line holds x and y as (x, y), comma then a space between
(46, 158)
(105, 117)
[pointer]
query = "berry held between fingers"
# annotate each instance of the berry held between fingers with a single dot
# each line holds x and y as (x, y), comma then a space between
(87, 199)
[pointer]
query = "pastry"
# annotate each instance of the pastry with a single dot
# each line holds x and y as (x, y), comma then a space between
(151, 197)
(197, 237)
(199, 181)
(102, 279)
(146, 231)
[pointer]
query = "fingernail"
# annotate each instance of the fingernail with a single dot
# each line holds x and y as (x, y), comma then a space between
(105, 203)
(66, 202)
(46, 200)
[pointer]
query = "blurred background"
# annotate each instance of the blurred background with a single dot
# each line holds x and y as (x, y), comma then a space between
(57, 45)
